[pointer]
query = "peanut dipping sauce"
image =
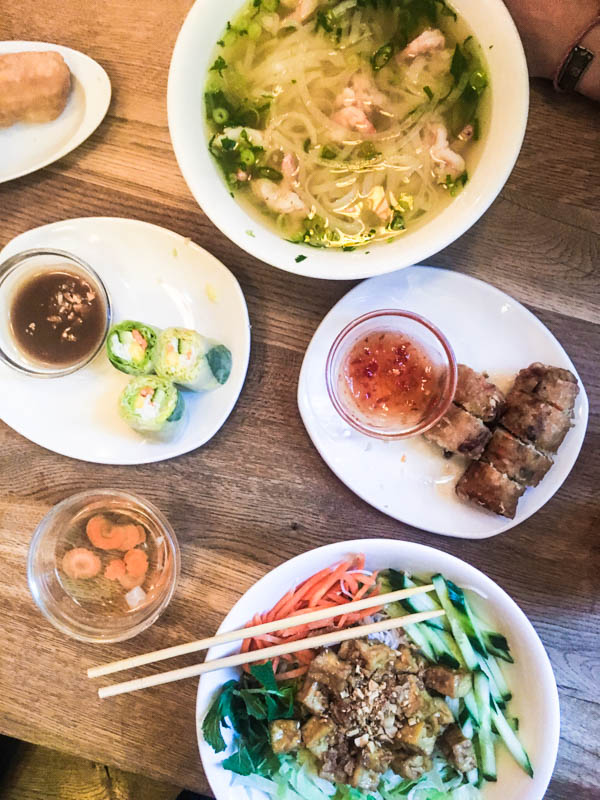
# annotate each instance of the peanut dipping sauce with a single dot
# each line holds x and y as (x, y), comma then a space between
(57, 317)
(391, 378)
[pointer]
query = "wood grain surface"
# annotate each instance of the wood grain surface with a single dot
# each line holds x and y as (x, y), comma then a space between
(259, 493)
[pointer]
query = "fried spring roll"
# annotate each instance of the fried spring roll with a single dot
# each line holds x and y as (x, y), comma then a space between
(459, 432)
(485, 486)
(477, 395)
(555, 386)
(534, 421)
(519, 461)
(34, 87)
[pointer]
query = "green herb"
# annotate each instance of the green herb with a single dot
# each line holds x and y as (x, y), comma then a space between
(315, 233)
(454, 185)
(233, 111)
(294, 80)
(459, 64)
(325, 20)
(397, 221)
(367, 252)
(270, 173)
(306, 145)
(271, 5)
(227, 143)
(247, 706)
(298, 259)
(220, 116)
(221, 43)
(219, 65)
(381, 57)
(251, 233)
(348, 247)
(367, 150)
(328, 152)
(247, 157)
(428, 92)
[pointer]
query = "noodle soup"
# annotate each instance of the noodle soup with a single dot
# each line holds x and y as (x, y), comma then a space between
(346, 123)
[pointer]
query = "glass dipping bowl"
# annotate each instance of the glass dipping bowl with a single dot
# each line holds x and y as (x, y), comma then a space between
(16, 271)
(431, 342)
(95, 609)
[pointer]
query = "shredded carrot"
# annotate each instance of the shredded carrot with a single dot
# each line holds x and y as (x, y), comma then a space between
(331, 587)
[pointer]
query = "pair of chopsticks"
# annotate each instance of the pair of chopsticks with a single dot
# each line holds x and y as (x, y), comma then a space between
(312, 642)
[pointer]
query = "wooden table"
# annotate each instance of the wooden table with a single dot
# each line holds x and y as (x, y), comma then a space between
(265, 493)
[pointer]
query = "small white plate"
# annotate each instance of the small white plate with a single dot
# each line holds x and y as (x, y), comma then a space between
(409, 479)
(535, 697)
(24, 146)
(153, 275)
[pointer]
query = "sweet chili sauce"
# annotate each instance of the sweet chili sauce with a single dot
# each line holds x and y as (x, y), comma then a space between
(391, 378)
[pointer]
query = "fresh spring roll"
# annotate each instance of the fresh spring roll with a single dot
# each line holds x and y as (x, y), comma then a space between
(131, 347)
(150, 404)
(191, 360)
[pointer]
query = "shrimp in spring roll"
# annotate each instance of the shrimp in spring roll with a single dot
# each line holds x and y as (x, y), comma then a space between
(191, 360)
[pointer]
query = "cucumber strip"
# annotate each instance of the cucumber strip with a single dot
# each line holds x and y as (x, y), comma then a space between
(416, 634)
(454, 620)
(420, 602)
(495, 690)
(495, 643)
(468, 729)
(460, 602)
(448, 640)
(511, 740)
(443, 653)
(471, 707)
(473, 777)
(512, 722)
(488, 756)
(499, 678)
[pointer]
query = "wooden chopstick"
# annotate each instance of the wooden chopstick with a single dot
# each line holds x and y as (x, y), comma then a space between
(256, 630)
(325, 639)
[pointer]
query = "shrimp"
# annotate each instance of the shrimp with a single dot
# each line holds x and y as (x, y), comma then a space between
(303, 10)
(360, 92)
(290, 167)
(447, 161)
(380, 204)
(354, 119)
(426, 42)
(466, 133)
(279, 197)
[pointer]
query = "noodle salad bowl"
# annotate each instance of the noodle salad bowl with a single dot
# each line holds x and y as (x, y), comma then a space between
(371, 163)
(530, 689)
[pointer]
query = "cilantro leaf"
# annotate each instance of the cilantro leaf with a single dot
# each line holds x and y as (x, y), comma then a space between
(216, 717)
(219, 65)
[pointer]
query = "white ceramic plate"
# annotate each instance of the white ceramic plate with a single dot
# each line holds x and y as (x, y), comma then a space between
(535, 697)
(151, 274)
(409, 479)
(193, 54)
(25, 147)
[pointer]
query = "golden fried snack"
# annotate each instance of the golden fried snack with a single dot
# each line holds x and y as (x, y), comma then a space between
(34, 87)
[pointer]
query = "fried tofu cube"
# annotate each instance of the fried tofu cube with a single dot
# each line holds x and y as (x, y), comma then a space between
(478, 395)
(378, 759)
(440, 715)
(553, 385)
(518, 461)
(449, 682)
(285, 735)
(459, 432)
(411, 697)
(416, 738)
(363, 778)
(483, 484)
(312, 697)
(374, 655)
(458, 749)
(408, 660)
(316, 735)
(535, 421)
(412, 767)
(328, 669)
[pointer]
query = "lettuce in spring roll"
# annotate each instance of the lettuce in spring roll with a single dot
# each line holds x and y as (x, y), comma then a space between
(152, 405)
(131, 347)
(191, 360)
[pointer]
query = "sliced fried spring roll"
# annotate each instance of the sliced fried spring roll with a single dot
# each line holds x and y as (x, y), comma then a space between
(477, 395)
(131, 347)
(519, 461)
(152, 405)
(556, 386)
(459, 432)
(192, 360)
(485, 486)
(534, 421)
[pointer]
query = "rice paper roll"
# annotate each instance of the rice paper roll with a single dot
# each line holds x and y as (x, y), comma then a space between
(131, 347)
(191, 360)
(152, 405)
